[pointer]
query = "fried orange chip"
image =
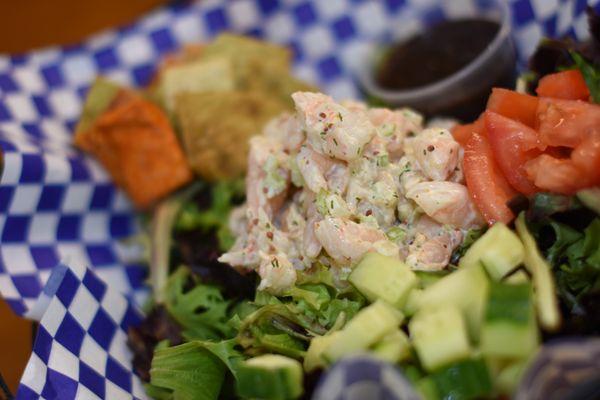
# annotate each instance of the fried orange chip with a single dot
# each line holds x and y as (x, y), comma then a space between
(136, 144)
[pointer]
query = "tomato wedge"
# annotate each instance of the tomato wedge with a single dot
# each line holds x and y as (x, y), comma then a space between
(518, 106)
(513, 145)
(568, 85)
(568, 175)
(488, 188)
(554, 174)
(462, 133)
(587, 158)
(567, 122)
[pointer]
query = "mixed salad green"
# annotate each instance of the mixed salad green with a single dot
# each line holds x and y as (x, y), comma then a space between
(469, 332)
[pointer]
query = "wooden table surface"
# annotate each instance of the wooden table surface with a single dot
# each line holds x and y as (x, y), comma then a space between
(31, 24)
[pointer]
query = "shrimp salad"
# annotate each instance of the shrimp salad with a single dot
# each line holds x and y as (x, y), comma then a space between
(451, 251)
(334, 181)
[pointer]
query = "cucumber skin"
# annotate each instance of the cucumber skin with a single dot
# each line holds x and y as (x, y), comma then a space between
(509, 329)
(270, 382)
(511, 303)
(464, 380)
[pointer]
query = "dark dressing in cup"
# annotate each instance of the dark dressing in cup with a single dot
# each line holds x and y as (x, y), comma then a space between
(446, 69)
(435, 54)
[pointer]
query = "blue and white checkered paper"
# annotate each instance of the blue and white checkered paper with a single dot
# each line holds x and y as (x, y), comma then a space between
(57, 204)
(81, 346)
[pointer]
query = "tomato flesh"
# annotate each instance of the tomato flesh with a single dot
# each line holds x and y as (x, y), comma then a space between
(554, 174)
(568, 85)
(488, 188)
(513, 145)
(567, 122)
(518, 106)
(462, 133)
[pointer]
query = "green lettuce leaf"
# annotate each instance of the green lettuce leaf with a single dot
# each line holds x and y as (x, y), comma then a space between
(226, 352)
(216, 216)
(189, 371)
(565, 237)
(544, 205)
(193, 370)
(286, 324)
(575, 258)
(201, 311)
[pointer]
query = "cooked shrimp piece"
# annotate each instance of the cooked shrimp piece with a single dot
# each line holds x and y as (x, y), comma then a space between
(432, 246)
(313, 167)
(376, 149)
(277, 273)
(338, 177)
(346, 241)
(332, 129)
(292, 221)
(447, 203)
(243, 254)
(394, 126)
(354, 105)
(310, 244)
(257, 192)
(436, 153)
(286, 130)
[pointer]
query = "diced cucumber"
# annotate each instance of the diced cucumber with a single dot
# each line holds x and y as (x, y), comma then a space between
(543, 281)
(412, 373)
(412, 302)
(439, 336)
(467, 379)
(427, 389)
(381, 277)
(509, 329)
(365, 329)
(516, 278)
(467, 289)
(314, 355)
(270, 377)
(509, 377)
(393, 347)
(427, 278)
(499, 250)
